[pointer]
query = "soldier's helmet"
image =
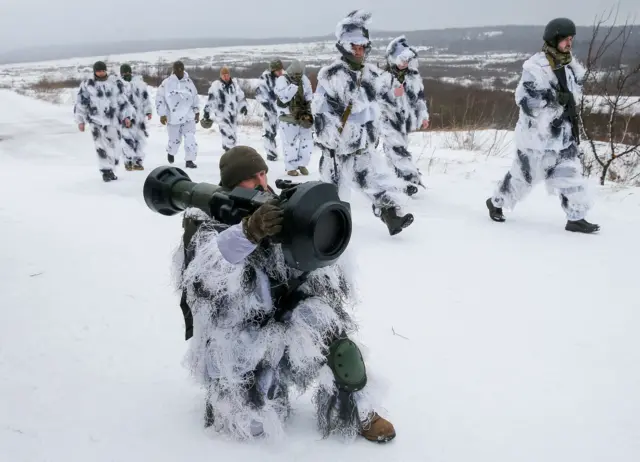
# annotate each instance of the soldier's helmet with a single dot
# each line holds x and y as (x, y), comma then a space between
(557, 30)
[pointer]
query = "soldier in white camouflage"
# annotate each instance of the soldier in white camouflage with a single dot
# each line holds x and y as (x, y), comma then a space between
(266, 96)
(346, 114)
(294, 108)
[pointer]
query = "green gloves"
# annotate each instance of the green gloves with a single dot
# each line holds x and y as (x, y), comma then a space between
(264, 222)
(564, 98)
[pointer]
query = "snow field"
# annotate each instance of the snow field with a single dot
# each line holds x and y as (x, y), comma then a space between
(514, 341)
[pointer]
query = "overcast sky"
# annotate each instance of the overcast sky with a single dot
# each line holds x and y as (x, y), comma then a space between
(25, 23)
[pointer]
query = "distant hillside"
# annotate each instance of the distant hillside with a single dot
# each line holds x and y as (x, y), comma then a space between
(519, 39)
(475, 40)
(34, 54)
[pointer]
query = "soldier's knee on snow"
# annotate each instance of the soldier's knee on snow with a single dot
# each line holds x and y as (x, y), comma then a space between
(345, 360)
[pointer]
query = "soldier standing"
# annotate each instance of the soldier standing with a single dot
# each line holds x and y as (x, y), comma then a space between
(294, 107)
(226, 101)
(101, 102)
(266, 96)
(177, 105)
(547, 133)
(134, 138)
(404, 110)
(346, 115)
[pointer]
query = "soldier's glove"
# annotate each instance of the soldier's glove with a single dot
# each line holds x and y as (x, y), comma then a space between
(206, 115)
(264, 222)
(244, 111)
(163, 120)
(306, 120)
(197, 117)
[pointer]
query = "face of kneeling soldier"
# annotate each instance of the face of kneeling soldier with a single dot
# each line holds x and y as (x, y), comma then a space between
(243, 166)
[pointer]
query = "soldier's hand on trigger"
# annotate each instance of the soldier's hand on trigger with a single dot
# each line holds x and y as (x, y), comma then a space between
(163, 120)
(264, 222)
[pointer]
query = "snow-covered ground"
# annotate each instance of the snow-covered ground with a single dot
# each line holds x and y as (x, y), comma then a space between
(513, 342)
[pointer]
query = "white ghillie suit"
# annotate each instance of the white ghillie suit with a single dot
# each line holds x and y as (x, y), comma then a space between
(134, 138)
(226, 101)
(266, 96)
(177, 99)
(349, 158)
(546, 146)
(401, 114)
(104, 106)
(297, 141)
(246, 356)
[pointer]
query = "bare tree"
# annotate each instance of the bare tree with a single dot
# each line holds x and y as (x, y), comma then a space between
(612, 82)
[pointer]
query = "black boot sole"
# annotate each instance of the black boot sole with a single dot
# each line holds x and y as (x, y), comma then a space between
(208, 415)
(408, 219)
(580, 229)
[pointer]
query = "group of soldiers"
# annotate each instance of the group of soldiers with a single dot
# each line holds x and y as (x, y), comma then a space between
(355, 106)
(258, 327)
(118, 107)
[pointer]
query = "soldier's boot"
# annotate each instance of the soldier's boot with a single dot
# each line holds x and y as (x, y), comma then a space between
(190, 164)
(108, 175)
(128, 165)
(137, 165)
(411, 189)
(377, 429)
(303, 170)
(495, 213)
(395, 223)
(293, 173)
(582, 226)
(208, 415)
(170, 158)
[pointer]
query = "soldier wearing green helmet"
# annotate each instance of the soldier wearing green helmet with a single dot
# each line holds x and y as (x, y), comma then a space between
(548, 131)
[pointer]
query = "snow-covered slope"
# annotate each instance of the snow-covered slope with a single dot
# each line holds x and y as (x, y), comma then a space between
(513, 342)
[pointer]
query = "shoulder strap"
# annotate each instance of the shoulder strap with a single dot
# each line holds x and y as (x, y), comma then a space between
(347, 111)
(288, 300)
(190, 227)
